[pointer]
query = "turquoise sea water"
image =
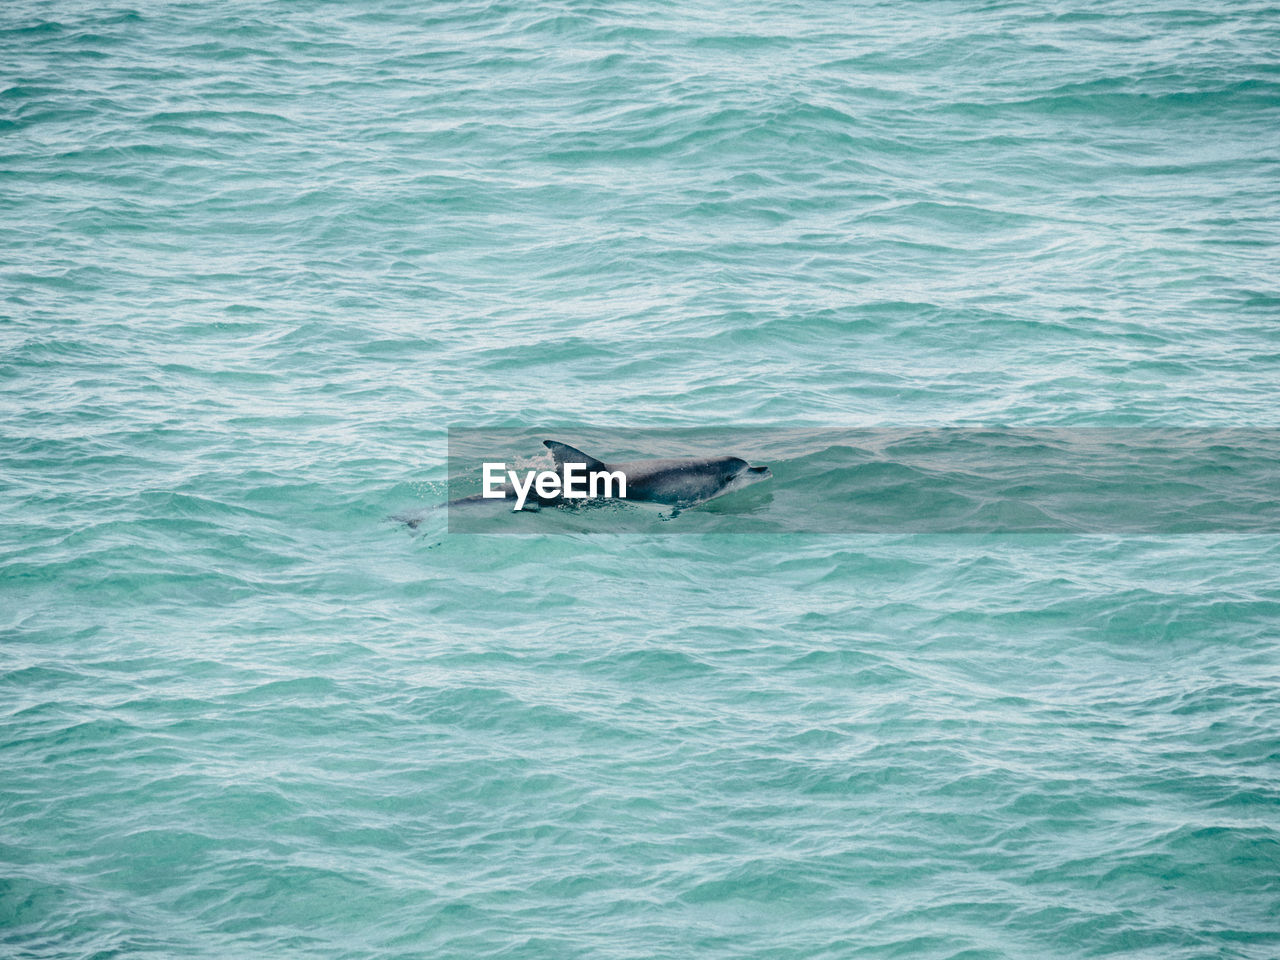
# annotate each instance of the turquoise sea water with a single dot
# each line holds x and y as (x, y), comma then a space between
(256, 258)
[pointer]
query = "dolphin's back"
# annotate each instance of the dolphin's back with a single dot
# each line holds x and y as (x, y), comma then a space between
(677, 481)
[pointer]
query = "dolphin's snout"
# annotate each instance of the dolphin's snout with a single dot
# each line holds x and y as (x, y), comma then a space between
(761, 471)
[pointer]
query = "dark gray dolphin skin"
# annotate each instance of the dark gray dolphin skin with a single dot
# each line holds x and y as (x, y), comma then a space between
(676, 482)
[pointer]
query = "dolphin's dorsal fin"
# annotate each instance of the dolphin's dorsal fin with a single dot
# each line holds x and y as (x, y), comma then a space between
(563, 453)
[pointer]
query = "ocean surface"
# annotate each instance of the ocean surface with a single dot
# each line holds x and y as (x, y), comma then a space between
(258, 259)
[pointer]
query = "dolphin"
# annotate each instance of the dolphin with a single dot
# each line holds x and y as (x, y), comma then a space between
(677, 483)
